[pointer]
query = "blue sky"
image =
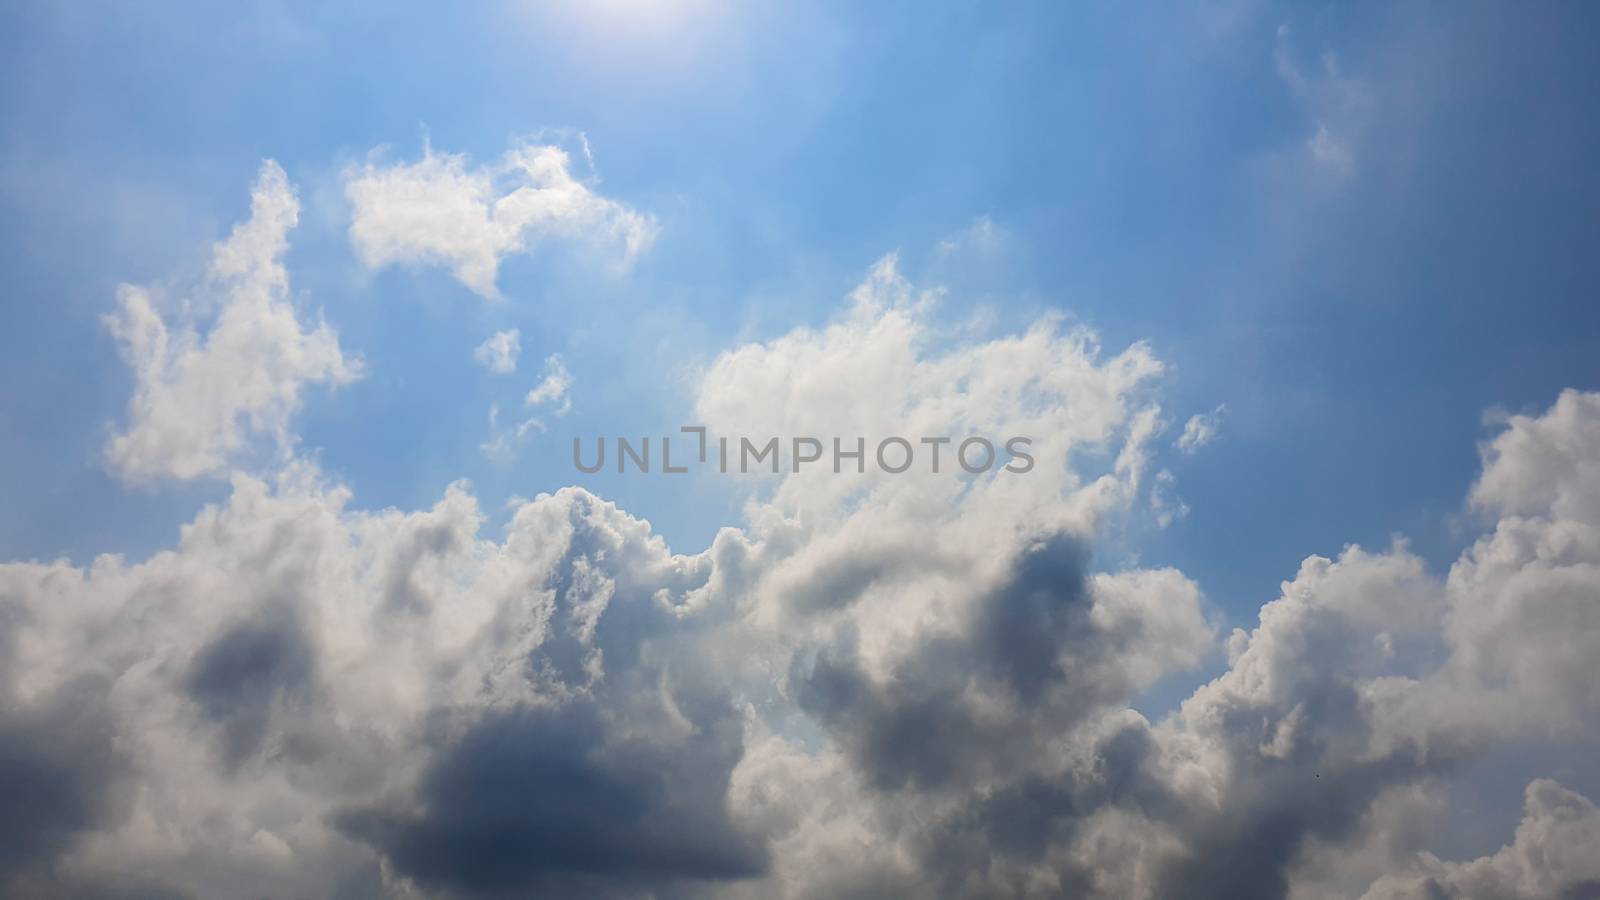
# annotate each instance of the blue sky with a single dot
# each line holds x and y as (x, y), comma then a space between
(1363, 232)
(1149, 173)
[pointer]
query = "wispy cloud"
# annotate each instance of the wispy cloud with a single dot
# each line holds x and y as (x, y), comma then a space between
(1201, 429)
(499, 353)
(983, 237)
(1336, 103)
(505, 442)
(555, 386)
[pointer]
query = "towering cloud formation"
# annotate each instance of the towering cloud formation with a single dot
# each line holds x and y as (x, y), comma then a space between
(234, 366)
(875, 685)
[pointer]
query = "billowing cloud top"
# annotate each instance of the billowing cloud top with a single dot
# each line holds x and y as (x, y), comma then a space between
(914, 685)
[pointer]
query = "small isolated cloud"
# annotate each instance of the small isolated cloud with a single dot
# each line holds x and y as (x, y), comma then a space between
(1167, 506)
(1201, 429)
(553, 389)
(504, 442)
(1328, 150)
(498, 354)
(982, 237)
(1336, 103)
(202, 392)
(441, 210)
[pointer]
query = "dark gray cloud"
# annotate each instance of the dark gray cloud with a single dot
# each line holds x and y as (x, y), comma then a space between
(536, 800)
(238, 677)
(60, 776)
(1246, 850)
(1011, 831)
(1030, 648)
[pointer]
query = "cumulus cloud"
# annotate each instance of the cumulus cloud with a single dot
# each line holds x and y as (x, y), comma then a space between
(235, 366)
(245, 732)
(1552, 855)
(499, 353)
(441, 210)
(1369, 681)
(873, 685)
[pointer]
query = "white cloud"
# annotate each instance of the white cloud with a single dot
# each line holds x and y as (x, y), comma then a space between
(1201, 429)
(499, 353)
(1166, 505)
(204, 390)
(555, 386)
(1542, 463)
(442, 211)
(873, 373)
(505, 442)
